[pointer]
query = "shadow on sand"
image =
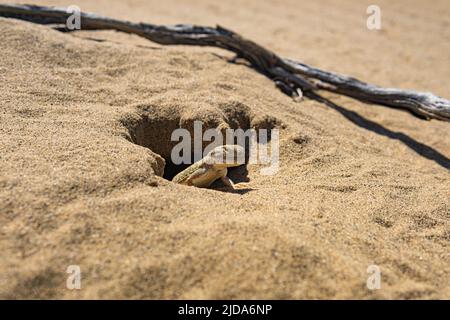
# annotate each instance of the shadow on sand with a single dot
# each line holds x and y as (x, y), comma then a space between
(420, 148)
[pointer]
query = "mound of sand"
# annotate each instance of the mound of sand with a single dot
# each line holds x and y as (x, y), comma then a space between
(85, 140)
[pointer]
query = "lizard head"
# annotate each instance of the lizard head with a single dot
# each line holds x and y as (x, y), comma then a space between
(226, 156)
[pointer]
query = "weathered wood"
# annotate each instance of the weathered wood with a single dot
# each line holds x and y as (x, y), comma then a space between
(291, 76)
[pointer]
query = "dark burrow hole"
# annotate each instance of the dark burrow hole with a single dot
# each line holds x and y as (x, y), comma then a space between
(236, 174)
(152, 129)
(150, 134)
(171, 169)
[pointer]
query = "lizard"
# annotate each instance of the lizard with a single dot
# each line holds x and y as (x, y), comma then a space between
(212, 167)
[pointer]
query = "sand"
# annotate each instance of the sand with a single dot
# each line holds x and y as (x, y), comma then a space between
(85, 122)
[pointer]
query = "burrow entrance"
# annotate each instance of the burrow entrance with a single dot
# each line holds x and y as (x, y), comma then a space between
(152, 127)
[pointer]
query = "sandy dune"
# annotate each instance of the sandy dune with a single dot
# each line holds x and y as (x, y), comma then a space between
(85, 123)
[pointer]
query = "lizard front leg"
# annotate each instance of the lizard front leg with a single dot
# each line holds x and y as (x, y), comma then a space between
(227, 181)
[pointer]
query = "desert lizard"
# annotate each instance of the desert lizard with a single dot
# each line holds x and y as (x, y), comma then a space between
(212, 167)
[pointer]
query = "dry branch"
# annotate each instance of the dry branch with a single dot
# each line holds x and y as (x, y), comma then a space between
(290, 75)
